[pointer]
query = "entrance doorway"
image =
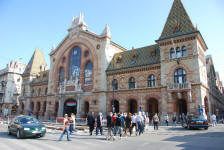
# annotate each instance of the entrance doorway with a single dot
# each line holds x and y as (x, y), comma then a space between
(86, 108)
(152, 107)
(70, 106)
(182, 106)
(133, 106)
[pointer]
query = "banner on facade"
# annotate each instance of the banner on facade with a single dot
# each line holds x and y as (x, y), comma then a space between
(71, 104)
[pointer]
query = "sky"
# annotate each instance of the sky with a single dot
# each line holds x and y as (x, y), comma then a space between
(29, 24)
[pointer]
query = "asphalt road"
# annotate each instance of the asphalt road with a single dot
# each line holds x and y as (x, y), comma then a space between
(166, 138)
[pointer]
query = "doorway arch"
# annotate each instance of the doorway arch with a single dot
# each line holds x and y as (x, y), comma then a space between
(181, 106)
(86, 108)
(133, 106)
(153, 107)
(70, 106)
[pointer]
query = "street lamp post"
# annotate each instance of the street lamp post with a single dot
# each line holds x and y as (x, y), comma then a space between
(113, 108)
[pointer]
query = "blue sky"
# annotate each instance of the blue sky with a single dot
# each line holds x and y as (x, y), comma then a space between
(29, 24)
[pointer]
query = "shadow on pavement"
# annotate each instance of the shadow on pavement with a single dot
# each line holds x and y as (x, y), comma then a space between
(199, 141)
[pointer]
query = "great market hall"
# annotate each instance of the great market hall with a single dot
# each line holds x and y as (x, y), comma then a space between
(89, 72)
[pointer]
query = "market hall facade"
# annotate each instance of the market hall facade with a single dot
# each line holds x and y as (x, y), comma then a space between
(90, 72)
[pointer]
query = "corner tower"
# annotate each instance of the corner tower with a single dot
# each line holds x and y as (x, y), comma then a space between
(183, 66)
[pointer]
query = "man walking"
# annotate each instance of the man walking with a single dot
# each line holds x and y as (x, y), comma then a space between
(99, 122)
(213, 118)
(155, 121)
(109, 126)
(91, 122)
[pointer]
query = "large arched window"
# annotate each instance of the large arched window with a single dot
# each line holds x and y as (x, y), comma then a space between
(172, 53)
(184, 51)
(61, 76)
(88, 73)
(178, 53)
(74, 63)
(180, 76)
(114, 84)
(151, 81)
(131, 83)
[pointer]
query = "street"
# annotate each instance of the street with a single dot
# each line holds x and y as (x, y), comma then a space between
(166, 138)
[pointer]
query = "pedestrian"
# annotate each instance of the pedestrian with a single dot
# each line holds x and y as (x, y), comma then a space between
(134, 124)
(91, 123)
(128, 124)
(183, 119)
(155, 121)
(143, 121)
(174, 118)
(214, 122)
(99, 123)
(139, 120)
(72, 123)
(65, 129)
(166, 118)
(117, 127)
(110, 127)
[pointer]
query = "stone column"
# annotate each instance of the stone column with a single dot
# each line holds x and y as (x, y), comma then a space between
(78, 106)
(60, 108)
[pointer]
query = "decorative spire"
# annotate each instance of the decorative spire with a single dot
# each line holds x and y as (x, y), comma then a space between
(53, 47)
(78, 22)
(106, 31)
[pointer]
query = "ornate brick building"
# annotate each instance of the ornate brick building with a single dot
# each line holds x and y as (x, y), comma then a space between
(89, 72)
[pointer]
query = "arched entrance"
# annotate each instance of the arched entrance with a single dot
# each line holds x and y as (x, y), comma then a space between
(181, 106)
(116, 106)
(70, 106)
(152, 107)
(86, 108)
(206, 105)
(56, 109)
(133, 106)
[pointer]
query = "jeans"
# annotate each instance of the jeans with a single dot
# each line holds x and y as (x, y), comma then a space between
(91, 128)
(99, 128)
(140, 128)
(214, 123)
(63, 133)
(117, 129)
(174, 123)
(167, 123)
(155, 125)
(109, 133)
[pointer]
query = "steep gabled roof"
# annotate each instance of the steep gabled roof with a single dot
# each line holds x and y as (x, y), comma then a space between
(178, 22)
(36, 63)
(144, 56)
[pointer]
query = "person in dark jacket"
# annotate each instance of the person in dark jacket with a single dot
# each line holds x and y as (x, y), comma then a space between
(110, 127)
(91, 122)
(99, 123)
(128, 124)
(117, 127)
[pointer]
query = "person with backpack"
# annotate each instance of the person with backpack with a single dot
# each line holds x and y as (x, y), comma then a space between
(117, 127)
(109, 126)
(155, 121)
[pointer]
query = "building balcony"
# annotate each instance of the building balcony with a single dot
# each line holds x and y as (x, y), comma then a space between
(179, 86)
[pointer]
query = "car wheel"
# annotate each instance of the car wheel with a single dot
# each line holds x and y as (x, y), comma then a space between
(42, 135)
(206, 128)
(18, 134)
(188, 127)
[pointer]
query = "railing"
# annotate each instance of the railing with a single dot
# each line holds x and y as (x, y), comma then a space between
(179, 86)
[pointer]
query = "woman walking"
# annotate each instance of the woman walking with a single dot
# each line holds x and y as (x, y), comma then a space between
(65, 128)
(128, 124)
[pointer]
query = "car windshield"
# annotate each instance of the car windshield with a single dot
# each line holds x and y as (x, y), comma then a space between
(28, 120)
(198, 118)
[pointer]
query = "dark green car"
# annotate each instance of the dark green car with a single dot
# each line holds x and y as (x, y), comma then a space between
(26, 126)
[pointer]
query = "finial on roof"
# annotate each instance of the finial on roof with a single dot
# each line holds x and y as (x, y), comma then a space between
(106, 31)
(78, 22)
(196, 28)
(53, 48)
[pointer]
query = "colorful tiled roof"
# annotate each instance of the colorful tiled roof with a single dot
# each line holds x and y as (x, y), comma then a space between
(144, 56)
(36, 62)
(178, 22)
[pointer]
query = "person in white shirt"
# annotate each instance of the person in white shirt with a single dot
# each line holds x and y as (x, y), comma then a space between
(213, 118)
(133, 120)
(139, 120)
(166, 118)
